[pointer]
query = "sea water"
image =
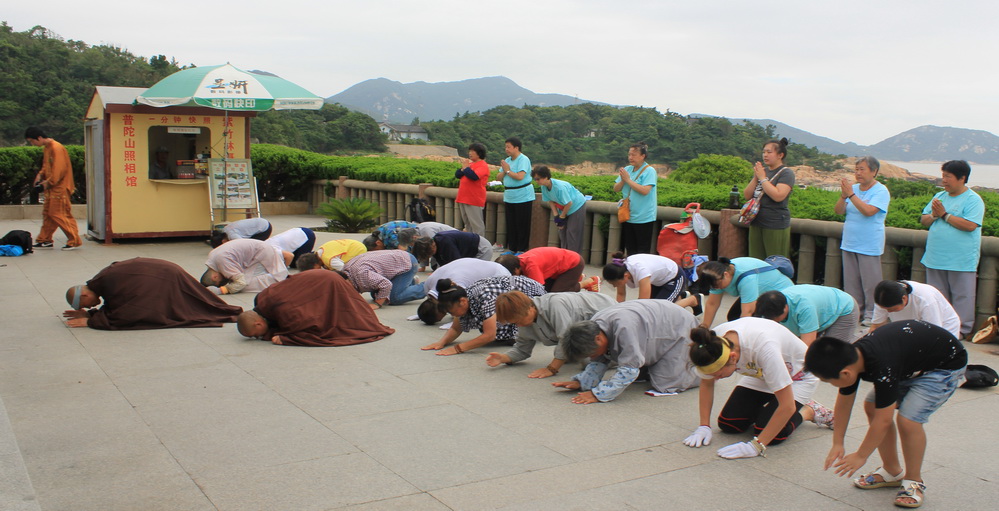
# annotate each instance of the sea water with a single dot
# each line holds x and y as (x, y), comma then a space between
(981, 175)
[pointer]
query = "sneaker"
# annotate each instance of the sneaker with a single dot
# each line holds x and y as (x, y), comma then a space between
(823, 416)
(68, 247)
(593, 285)
(865, 323)
(42, 244)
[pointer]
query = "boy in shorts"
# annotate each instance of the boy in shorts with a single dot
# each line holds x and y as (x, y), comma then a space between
(915, 367)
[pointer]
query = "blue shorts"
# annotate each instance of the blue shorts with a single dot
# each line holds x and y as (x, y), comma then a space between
(919, 397)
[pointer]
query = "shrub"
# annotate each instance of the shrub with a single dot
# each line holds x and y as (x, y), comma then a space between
(355, 214)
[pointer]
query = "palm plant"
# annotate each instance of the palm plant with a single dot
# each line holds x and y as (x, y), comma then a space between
(350, 215)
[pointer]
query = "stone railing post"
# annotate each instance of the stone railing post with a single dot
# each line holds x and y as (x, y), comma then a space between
(732, 239)
(341, 189)
(806, 260)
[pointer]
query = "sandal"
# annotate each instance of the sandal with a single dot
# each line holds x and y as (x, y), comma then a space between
(594, 284)
(867, 481)
(909, 489)
(823, 416)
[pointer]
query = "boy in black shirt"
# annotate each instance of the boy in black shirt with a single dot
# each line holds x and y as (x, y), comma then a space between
(915, 367)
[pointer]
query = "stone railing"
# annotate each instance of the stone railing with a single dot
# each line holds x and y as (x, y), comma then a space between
(602, 235)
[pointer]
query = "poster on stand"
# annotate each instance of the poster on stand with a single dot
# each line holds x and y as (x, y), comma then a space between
(231, 183)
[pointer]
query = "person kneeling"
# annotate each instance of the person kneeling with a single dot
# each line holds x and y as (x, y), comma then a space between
(633, 335)
(312, 308)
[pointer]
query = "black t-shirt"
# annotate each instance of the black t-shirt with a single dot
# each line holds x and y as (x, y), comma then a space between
(902, 350)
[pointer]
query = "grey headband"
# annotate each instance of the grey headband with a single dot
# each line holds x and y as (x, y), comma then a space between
(77, 291)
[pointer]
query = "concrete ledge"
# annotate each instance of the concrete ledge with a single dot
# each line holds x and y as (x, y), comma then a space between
(34, 211)
(283, 208)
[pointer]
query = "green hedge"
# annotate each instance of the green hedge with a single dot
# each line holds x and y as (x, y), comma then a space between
(19, 165)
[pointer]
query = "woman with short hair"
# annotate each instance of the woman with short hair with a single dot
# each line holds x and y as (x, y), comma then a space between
(896, 300)
(865, 204)
(745, 278)
(543, 319)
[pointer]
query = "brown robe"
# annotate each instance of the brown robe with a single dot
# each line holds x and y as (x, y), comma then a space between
(146, 294)
(318, 308)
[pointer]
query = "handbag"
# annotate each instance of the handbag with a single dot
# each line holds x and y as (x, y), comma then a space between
(624, 205)
(752, 207)
(624, 210)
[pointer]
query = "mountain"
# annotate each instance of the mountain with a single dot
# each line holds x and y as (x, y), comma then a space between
(925, 143)
(391, 101)
(800, 136)
(937, 143)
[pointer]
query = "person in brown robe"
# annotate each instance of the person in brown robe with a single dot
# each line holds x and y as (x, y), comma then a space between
(312, 308)
(146, 294)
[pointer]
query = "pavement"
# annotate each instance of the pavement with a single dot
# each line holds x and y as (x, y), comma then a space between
(201, 419)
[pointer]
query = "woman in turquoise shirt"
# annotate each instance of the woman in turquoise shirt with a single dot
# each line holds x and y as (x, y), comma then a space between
(865, 205)
(518, 196)
(637, 183)
(568, 207)
(810, 311)
(745, 278)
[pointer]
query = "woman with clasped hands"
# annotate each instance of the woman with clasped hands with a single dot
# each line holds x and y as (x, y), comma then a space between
(865, 205)
(770, 231)
(637, 183)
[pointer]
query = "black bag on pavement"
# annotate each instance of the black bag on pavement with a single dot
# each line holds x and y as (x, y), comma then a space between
(19, 238)
(980, 376)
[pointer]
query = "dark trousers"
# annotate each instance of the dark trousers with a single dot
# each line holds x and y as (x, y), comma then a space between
(671, 290)
(306, 247)
(263, 235)
(748, 407)
(518, 225)
(636, 238)
(567, 282)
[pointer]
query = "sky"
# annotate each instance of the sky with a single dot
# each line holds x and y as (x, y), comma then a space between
(858, 71)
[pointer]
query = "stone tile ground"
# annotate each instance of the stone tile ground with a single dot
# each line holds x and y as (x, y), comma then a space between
(204, 419)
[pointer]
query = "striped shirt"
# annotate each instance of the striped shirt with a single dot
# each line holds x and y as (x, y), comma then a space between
(374, 271)
(482, 302)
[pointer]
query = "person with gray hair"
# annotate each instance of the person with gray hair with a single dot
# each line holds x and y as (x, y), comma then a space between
(865, 204)
(652, 334)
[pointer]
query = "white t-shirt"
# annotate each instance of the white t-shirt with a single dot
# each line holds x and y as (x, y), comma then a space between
(926, 303)
(289, 240)
(464, 272)
(771, 357)
(660, 269)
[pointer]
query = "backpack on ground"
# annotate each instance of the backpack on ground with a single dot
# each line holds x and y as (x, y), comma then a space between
(420, 210)
(19, 238)
(980, 376)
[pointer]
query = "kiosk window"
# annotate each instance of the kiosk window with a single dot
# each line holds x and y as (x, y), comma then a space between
(173, 150)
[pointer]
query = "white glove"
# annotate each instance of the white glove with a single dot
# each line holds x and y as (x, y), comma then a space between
(215, 289)
(739, 450)
(700, 436)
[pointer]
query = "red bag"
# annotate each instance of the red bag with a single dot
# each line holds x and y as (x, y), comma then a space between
(677, 239)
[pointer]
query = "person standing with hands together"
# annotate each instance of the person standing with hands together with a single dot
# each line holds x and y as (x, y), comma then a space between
(770, 231)
(637, 183)
(954, 243)
(865, 205)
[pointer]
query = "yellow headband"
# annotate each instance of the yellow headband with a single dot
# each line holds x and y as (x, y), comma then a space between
(717, 364)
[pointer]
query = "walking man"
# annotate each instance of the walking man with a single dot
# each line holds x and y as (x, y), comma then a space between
(56, 177)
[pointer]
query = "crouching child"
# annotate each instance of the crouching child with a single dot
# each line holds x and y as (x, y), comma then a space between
(915, 367)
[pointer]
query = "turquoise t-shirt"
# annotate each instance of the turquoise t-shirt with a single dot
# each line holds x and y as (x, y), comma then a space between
(864, 234)
(643, 207)
(751, 287)
(949, 248)
(814, 308)
(563, 193)
(525, 193)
